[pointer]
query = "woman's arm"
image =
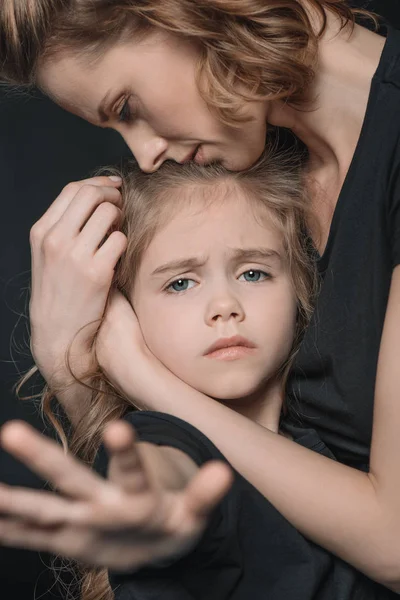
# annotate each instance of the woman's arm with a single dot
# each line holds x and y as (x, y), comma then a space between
(353, 514)
(72, 272)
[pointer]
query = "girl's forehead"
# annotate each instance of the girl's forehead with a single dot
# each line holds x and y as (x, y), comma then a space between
(220, 210)
(226, 194)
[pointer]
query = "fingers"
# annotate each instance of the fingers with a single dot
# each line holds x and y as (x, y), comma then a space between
(84, 205)
(69, 213)
(112, 249)
(47, 459)
(70, 542)
(39, 507)
(207, 488)
(127, 469)
(23, 535)
(61, 203)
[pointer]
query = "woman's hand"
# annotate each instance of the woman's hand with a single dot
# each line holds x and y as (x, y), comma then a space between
(71, 275)
(124, 356)
(130, 520)
(128, 363)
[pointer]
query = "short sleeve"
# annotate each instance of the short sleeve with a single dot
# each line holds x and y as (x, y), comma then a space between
(215, 560)
(166, 430)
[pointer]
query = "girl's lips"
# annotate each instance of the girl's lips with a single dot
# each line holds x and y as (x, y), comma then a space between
(231, 353)
(230, 348)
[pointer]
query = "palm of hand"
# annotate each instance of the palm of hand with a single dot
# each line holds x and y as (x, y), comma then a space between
(125, 522)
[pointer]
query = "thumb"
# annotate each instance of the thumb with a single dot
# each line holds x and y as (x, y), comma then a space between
(207, 488)
(126, 467)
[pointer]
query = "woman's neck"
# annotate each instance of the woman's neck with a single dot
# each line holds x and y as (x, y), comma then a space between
(330, 124)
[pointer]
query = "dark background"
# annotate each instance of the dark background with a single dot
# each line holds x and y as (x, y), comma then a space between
(41, 149)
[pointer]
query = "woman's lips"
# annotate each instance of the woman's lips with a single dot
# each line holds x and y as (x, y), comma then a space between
(231, 348)
(191, 156)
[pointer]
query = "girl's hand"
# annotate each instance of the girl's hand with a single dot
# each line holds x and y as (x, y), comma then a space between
(71, 275)
(127, 521)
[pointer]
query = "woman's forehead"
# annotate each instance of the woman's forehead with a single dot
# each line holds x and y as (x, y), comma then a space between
(70, 72)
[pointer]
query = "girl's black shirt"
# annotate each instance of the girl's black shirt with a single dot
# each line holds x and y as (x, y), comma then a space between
(331, 387)
(249, 550)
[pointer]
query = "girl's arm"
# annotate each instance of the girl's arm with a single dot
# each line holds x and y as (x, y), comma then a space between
(353, 514)
(154, 505)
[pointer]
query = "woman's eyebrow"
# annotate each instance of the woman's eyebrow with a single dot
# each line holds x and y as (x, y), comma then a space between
(185, 264)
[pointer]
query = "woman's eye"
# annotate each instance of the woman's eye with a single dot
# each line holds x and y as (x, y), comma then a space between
(180, 285)
(125, 114)
(254, 275)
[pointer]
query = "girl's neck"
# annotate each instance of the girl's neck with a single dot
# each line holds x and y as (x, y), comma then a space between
(263, 407)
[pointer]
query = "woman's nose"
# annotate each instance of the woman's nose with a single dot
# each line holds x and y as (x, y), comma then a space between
(149, 150)
(224, 307)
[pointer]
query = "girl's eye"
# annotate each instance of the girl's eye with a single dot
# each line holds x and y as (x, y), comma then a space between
(180, 285)
(125, 115)
(254, 275)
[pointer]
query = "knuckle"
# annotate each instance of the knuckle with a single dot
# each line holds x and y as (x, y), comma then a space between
(75, 257)
(72, 188)
(51, 243)
(108, 211)
(100, 277)
(119, 238)
(36, 233)
(90, 193)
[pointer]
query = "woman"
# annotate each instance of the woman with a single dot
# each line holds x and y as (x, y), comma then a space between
(221, 71)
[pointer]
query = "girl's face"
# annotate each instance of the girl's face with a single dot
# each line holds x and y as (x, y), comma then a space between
(214, 298)
(147, 91)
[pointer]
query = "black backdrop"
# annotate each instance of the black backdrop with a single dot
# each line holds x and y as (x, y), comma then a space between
(41, 149)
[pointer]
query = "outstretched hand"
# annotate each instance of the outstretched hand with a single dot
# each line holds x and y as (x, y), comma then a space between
(127, 521)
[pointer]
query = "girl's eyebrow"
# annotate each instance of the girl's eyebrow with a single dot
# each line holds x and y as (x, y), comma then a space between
(256, 254)
(238, 254)
(186, 264)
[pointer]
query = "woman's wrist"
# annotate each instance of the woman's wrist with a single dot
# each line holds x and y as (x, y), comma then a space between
(156, 388)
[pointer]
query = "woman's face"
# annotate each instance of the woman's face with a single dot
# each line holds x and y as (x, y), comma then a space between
(147, 92)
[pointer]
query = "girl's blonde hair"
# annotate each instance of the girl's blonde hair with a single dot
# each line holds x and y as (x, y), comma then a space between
(274, 191)
(248, 49)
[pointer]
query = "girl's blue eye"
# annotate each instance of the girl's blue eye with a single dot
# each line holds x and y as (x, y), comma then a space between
(180, 285)
(254, 275)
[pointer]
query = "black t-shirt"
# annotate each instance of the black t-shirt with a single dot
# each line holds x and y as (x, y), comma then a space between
(331, 386)
(249, 550)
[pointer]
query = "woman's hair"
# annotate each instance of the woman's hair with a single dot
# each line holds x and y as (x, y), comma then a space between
(248, 49)
(274, 190)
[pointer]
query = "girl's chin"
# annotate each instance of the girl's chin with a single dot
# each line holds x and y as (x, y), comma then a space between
(234, 397)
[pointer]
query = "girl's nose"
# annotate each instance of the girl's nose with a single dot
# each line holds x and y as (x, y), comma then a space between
(224, 307)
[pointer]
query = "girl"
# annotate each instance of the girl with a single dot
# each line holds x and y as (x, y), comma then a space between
(219, 276)
(189, 80)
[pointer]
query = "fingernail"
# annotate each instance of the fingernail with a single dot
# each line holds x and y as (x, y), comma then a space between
(115, 178)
